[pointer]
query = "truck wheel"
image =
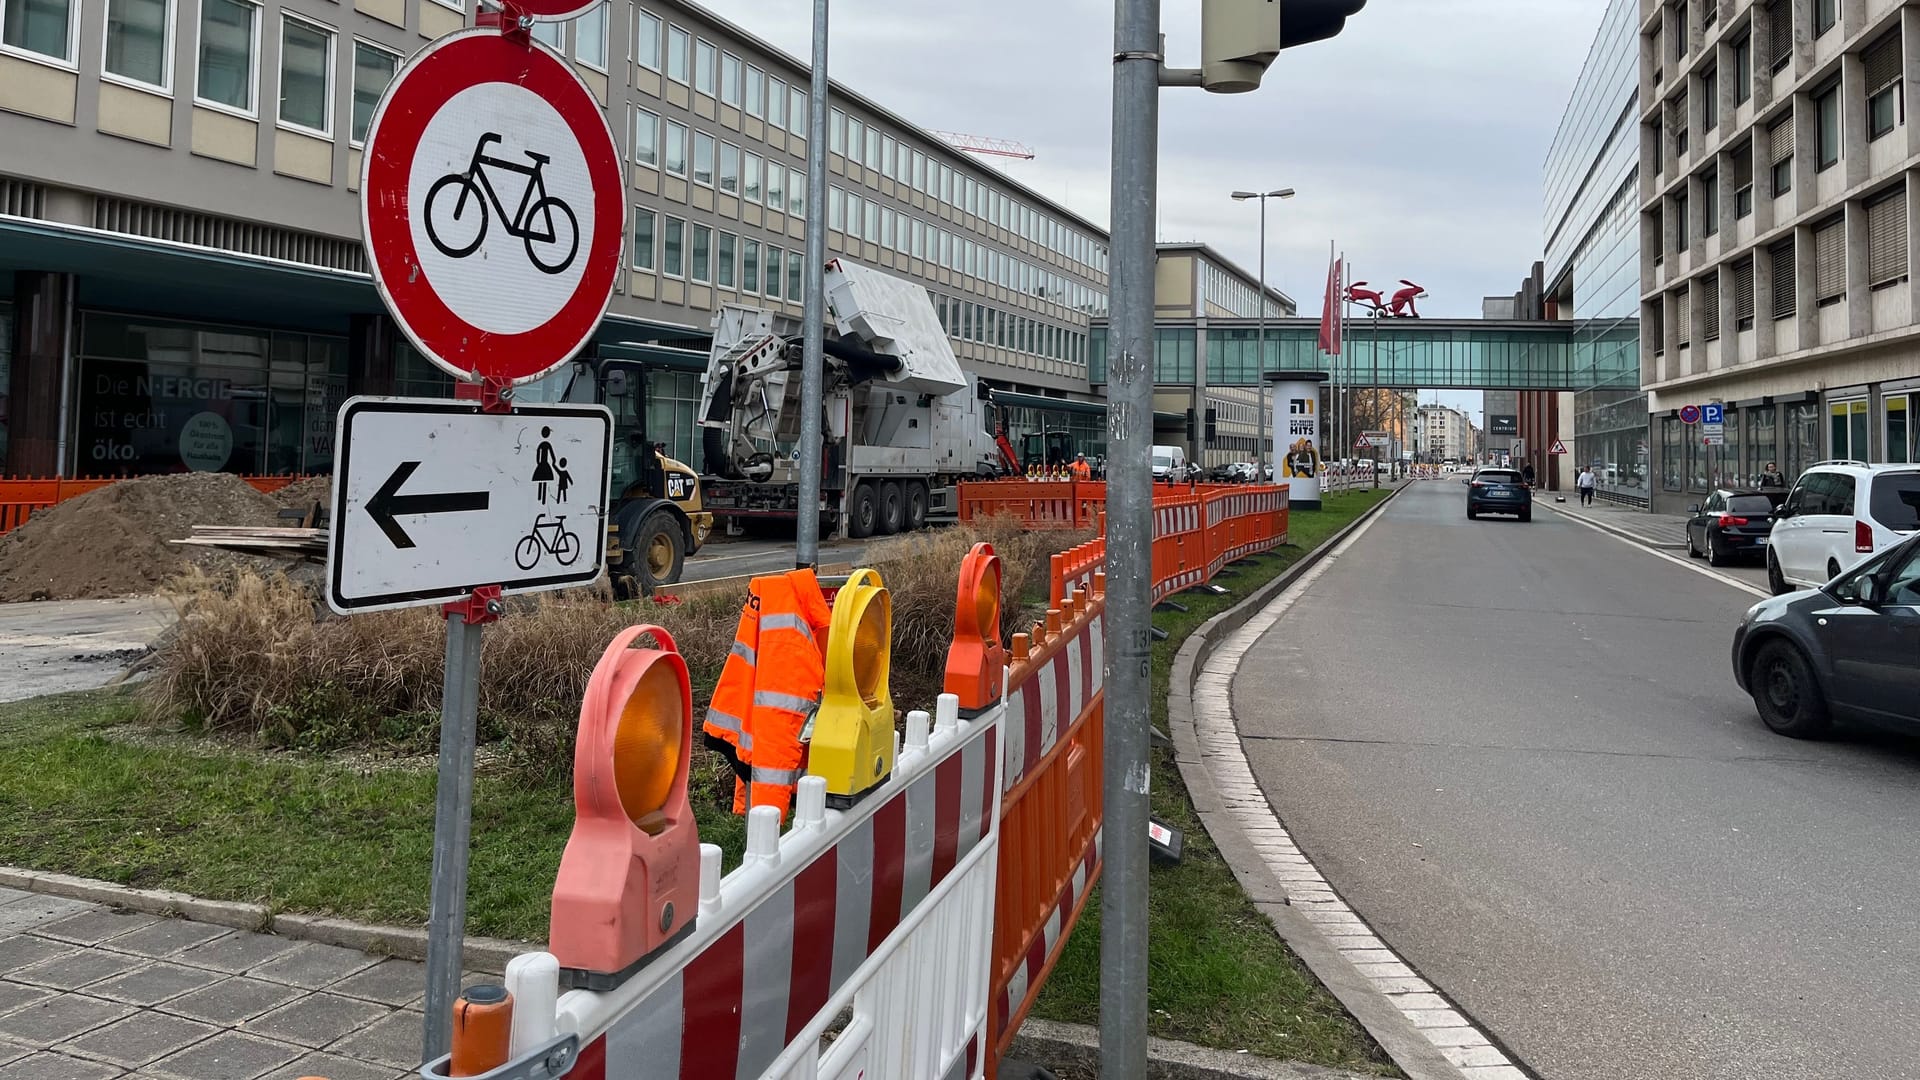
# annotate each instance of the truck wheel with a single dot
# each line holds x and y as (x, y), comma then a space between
(916, 506)
(862, 515)
(893, 509)
(657, 552)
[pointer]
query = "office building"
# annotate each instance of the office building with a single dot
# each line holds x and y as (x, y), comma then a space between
(180, 231)
(1776, 210)
(1442, 433)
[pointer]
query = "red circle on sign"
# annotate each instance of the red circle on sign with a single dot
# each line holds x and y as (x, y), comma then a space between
(428, 81)
(1689, 414)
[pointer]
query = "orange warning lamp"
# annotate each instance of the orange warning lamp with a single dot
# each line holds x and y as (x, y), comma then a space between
(630, 879)
(977, 661)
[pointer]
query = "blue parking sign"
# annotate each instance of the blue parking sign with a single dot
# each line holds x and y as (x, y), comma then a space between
(1713, 413)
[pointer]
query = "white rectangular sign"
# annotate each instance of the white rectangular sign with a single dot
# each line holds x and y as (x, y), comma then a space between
(434, 498)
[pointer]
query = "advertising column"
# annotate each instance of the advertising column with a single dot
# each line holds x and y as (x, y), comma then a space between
(1296, 435)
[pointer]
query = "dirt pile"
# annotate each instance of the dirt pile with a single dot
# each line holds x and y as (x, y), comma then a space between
(114, 541)
(302, 494)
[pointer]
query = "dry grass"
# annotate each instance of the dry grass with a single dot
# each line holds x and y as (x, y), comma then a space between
(256, 658)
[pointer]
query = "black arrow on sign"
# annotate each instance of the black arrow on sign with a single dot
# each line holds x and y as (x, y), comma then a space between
(388, 503)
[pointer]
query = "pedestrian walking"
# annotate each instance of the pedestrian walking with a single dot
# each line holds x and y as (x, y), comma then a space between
(1586, 483)
(1526, 473)
(1772, 478)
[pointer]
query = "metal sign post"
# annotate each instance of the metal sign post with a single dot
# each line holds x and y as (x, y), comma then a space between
(813, 362)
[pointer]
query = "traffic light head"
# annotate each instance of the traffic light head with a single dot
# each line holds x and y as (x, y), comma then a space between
(1239, 39)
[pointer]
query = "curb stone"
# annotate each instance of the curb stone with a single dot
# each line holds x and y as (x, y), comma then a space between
(1404, 1043)
(488, 955)
(1077, 1046)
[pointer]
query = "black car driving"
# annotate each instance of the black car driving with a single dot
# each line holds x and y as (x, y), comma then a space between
(1732, 524)
(1847, 649)
(1499, 491)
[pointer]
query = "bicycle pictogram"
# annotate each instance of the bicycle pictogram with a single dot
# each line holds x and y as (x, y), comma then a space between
(548, 537)
(545, 222)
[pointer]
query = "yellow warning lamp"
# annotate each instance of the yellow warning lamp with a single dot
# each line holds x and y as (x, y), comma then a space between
(977, 661)
(852, 747)
(629, 881)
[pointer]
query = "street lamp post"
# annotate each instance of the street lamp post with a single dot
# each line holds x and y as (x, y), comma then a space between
(1260, 350)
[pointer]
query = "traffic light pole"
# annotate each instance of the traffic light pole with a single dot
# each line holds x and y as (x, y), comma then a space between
(1123, 890)
(813, 312)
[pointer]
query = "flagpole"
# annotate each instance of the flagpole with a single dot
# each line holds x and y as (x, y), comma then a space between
(1344, 422)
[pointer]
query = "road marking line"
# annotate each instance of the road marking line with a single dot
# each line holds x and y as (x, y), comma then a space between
(1445, 1027)
(1691, 564)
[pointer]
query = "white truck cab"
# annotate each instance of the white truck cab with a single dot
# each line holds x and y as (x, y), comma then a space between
(1169, 462)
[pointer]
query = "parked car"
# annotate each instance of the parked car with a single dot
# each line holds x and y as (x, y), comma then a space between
(1847, 649)
(1498, 491)
(1838, 514)
(1732, 524)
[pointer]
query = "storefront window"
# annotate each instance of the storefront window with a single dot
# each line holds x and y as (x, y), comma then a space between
(1726, 458)
(1696, 458)
(1763, 442)
(1672, 443)
(1847, 429)
(1902, 440)
(1803, 438)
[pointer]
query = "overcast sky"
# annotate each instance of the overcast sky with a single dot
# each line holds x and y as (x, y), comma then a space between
(1415, 139)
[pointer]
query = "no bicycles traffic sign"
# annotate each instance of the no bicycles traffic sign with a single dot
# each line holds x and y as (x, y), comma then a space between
(492, 206)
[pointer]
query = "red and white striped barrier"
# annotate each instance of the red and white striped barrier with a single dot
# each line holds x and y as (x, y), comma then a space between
(1039, 709)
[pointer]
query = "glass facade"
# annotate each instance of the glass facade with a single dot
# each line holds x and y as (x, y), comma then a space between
(1593, 258)
(6, 372)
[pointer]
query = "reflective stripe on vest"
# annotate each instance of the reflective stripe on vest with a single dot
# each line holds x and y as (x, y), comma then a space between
(773, 699)
(743, 739)
(745, 652)
(788, 622)
(785, 778)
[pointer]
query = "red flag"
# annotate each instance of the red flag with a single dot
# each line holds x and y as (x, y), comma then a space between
(1330, 312)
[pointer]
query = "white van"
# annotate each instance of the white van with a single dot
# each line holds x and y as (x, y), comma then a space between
(1838, 514)
(1169, 462)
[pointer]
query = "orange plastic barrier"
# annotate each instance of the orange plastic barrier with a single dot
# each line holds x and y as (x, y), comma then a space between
(21, 496)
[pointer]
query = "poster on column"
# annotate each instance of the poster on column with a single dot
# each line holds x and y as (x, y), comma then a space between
(1296, 431)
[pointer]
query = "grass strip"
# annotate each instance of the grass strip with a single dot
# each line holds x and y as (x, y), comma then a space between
(1217, 973)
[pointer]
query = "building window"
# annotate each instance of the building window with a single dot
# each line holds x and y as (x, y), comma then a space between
(1780, 136)
(590, 37)
(1743, 294)
(42, 27)
(1903, 442)
(551, 34)
(724, 259)
(676, 153)
(886, 156)
(776, 104)
(225, 74)
(1709, 287)
(776, 187)
(1826, 15)
(776, 258)
(1887, 238)
(706, 62)
(306, 75)
(702, 254)
(672, 248)
(1743, 181)
(837, 210)
(137, 41)
(1780, 263)
(1677, 124)
(1830, 260)
(750, 182)
(1710, 202)
(796, 266)
(729, 168)
(756, 92)
(1780, 22)
(750, 266)
(643, 222)
(873, 150)
(1826, 126)
(1671, 442)
(1882, 62)
(730, 80)
(646, 138)
(1803, 437)
(373, 69)
(796, 193)
(1680, 239)
(703, 158)
(1709, 99)
(646, 39)
(837, 132)
(1847, 423)
(1743, 69)
(679, 49)
(797, 112)
(1683, 316)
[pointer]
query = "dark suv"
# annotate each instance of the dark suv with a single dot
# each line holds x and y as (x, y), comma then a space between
(1850, 648)
(1499, 491)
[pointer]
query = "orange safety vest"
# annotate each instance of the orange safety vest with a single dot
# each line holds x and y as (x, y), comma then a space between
(770, 688)
(1082, 471)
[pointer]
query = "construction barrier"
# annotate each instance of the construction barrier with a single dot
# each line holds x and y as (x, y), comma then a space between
(20, 497)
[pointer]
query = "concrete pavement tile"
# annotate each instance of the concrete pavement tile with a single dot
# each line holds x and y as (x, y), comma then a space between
(53, 1020)
(167, 936)
(393, 1040)
(390, 982)
(317, 1019)
(38, 910)
(14, 995)
(236, 953)
(227, 1056)
(77, 970)
(45, 1066)
(331, 1067)
(154, 983)
(231, 1001)
(94, 927)
(8, 896)
(25, 950)
(313, 965)
(133, 1041)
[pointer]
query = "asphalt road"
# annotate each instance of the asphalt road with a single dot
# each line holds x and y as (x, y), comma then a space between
(762, 556)
(1518, 751)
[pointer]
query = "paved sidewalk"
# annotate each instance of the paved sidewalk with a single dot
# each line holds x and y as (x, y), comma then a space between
(1667, 531)
(90, 993)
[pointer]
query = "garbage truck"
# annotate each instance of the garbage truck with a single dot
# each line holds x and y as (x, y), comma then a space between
(903, 424)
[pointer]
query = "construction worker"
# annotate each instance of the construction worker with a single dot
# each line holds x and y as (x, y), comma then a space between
(1081, 470)
(770, 689)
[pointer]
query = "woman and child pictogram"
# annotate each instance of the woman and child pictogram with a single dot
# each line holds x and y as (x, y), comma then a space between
(548, 537)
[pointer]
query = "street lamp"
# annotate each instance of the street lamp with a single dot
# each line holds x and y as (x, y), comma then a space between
(1260, 350)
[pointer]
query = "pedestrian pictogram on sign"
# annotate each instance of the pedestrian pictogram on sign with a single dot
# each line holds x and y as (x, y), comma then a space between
(1558, 447)
(492, 205)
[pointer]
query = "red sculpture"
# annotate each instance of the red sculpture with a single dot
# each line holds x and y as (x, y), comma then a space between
(1402, 305)
(1358, 295)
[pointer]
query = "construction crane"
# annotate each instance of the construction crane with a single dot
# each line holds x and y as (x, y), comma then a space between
(980, 144)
